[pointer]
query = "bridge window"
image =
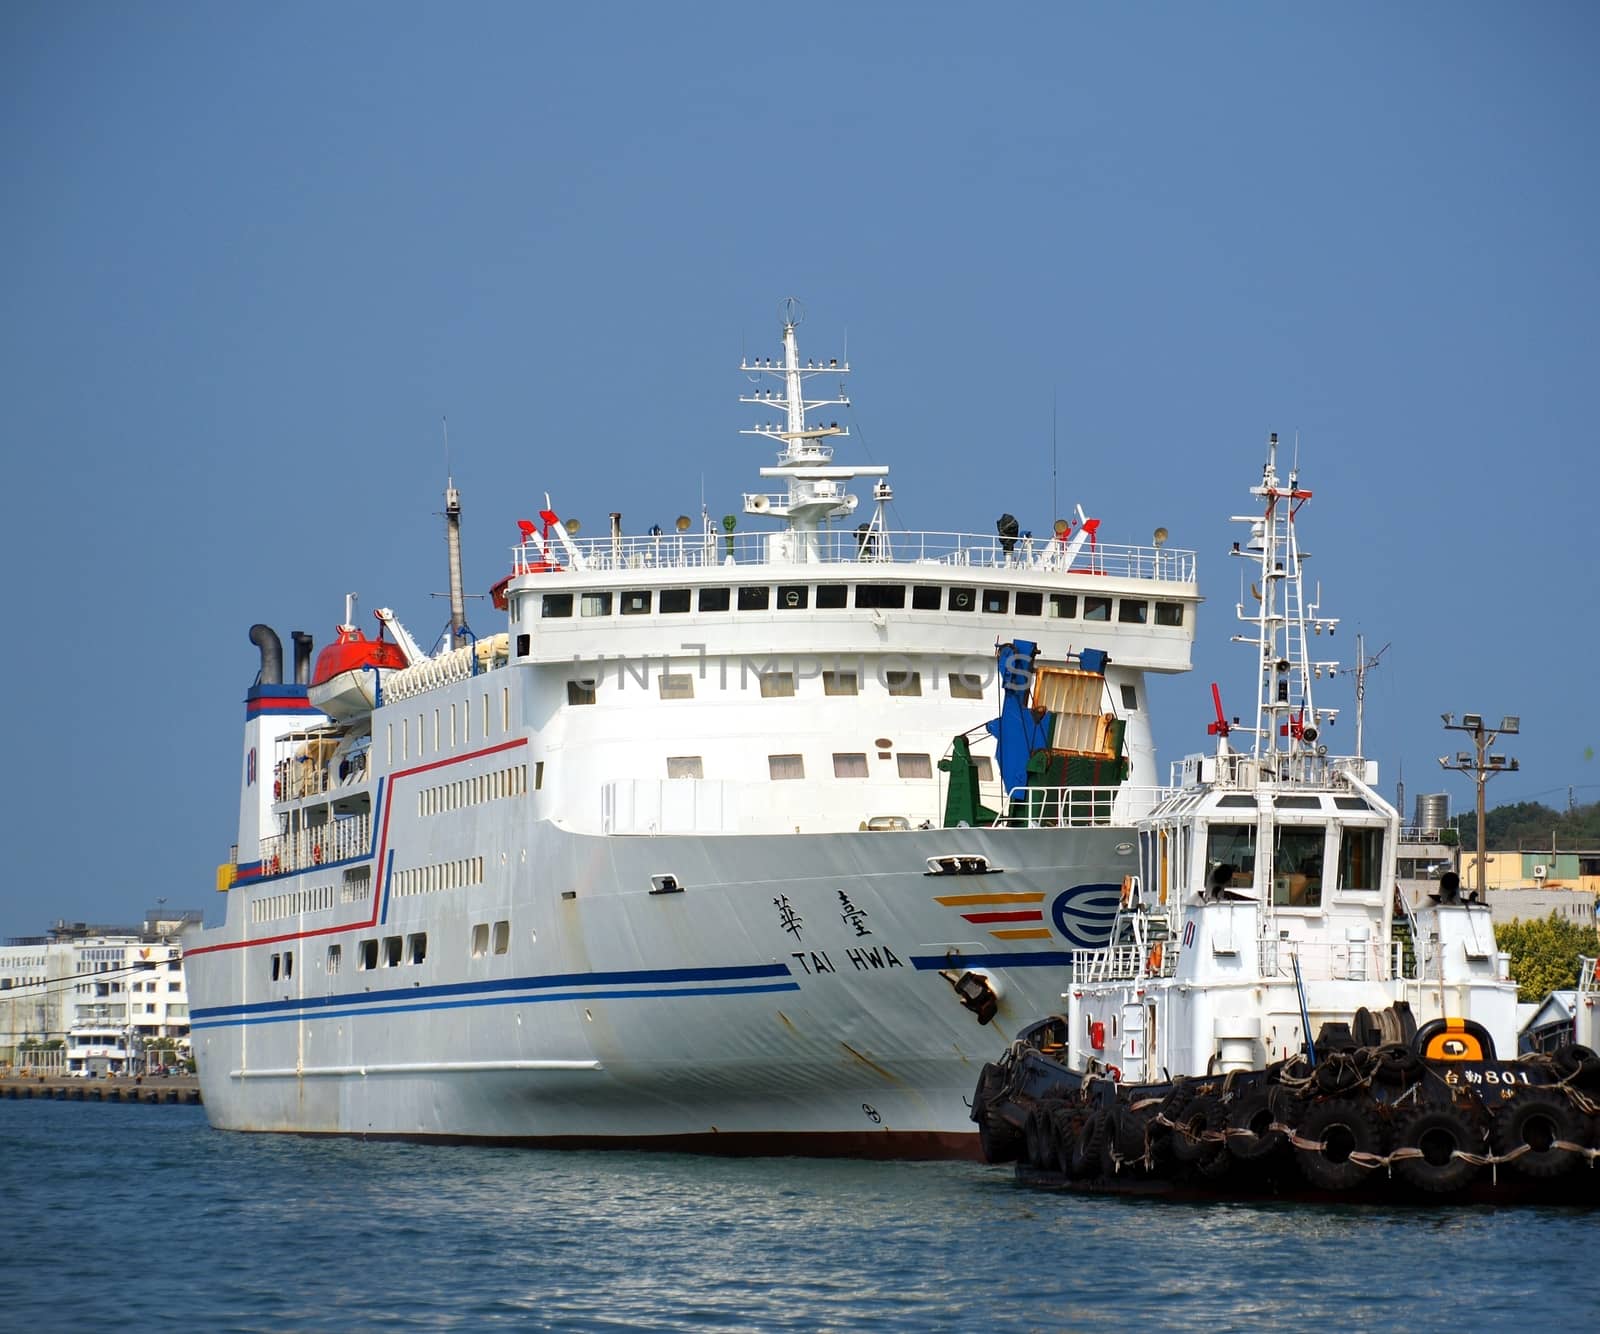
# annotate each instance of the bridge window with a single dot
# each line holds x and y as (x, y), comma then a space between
(1130, 697)
(850, 766)
(880, 595)
(754, 597)
(1030, 604)
(1132, 611)
(1169, 613)
(996, 601)
(925, 597)
(715, 599)
(636, 602)
(685, 766)
(580, 692)
(963, 599)
(914, 766)
(1063, 606)
(1360, 859)
(792, 597)
(1297, 866)
(1097, 609)
(830, 597)
(556, 604)
(674, 600)
(1232, 846)
(595, 604)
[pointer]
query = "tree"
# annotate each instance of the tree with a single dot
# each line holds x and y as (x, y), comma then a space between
(1544, 953)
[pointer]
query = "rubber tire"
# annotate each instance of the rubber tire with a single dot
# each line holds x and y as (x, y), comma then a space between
(1356, 1131)
(1201, 1114)
(1537, 1118)
(1086, 1150)
(991, 1080)
(1437, 1129)
(1253, 1110)
(999, 1140)
(1337, 1073)
(1125, 1134)
(1577, 1062)
(1397, 1064)
(1068, 1122)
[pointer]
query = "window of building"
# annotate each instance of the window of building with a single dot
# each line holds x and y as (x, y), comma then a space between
(963, 599)
(903, 683)
(393, 951)
(841, 683)
(502, 937)
(1096, 609)
(1030, 604)
(777, 685)
(678, 685)
(580, 692)
(1063, 606)
(685, 766)
(792, 597)
(715, 599)
(850, 766)
(830, 597)
(417, 946)
(335, 958)
(1133, 611)
(556, 604)
(996, 600)
(1130, 697)
(783, 767)
(880, 595)
(966, 685)
(174, 986)
(754, 597)
(1169, 613)
(367, 955)
(480, 939)
(635, 602)
(914, 766)
(594, 604)
(674, 600)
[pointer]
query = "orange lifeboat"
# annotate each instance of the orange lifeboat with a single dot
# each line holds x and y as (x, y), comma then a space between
(347, 680)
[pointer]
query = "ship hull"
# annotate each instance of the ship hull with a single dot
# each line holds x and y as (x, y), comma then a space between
(792, 995)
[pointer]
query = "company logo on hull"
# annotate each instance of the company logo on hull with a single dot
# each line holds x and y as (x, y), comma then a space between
(1082, 915)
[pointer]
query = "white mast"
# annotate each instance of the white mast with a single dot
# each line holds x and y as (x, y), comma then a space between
(816, 485)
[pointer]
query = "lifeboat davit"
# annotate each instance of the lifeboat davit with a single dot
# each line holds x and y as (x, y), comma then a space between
(349, 672)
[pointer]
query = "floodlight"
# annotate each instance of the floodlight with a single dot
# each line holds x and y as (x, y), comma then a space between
(1510, 724)
(1472, 721)
(1463, 757)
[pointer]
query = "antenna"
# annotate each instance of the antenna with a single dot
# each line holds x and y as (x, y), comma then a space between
(1053, 508)
(1364, 664)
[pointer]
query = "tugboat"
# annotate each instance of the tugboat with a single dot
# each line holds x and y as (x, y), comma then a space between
(1269, 1016)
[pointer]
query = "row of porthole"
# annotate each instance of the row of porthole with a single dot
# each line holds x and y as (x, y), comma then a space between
(887, 597)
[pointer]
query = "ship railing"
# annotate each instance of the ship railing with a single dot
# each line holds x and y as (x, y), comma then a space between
(447, 669)
(1323, 960)
(845, 547)
(1077, 807)
(1423, 833)
(1125, 963)
(303, 775)
(344, 839)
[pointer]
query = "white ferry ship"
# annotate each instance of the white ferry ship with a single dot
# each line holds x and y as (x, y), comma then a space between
(734, 841)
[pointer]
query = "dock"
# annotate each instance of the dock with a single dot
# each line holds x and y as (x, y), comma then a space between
(183, 1090)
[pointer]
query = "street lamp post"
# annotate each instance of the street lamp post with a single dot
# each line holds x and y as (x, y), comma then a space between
(1482, 766)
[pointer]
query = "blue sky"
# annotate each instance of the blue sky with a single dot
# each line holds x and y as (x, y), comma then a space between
(255, 253)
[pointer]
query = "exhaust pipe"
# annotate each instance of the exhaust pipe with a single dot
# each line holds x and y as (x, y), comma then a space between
(302, 657)
(265, 638)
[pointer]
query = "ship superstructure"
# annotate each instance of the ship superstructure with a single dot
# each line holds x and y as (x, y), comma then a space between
(728, 839)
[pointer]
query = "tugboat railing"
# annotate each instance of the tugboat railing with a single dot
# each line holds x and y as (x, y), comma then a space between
(1078, 807)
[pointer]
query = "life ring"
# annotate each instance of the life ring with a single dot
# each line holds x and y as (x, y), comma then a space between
(1535, 1121)
(1153, 963)
(316, 852)
(276, 865)
(1115, 1072)
(277, 789)
(1441, 1133)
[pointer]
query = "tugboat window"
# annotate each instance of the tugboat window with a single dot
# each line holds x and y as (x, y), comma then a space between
(1097, 609)
(831, 596)
(963, 599)
(1030, 604)
(715, 599)
(636, 602)
(595, 604)
(1297, 867)
(925, 597)
(996, 600)
(1132, 612)
(1169, 613)
(557, 604)
(754, 597)
(1063, 606)
(1360, 858)
(881, 595)
(792, 597)
(1232, 845)
(674, 599)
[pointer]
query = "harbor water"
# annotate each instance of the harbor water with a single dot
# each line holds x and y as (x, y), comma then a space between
(139, 1213)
